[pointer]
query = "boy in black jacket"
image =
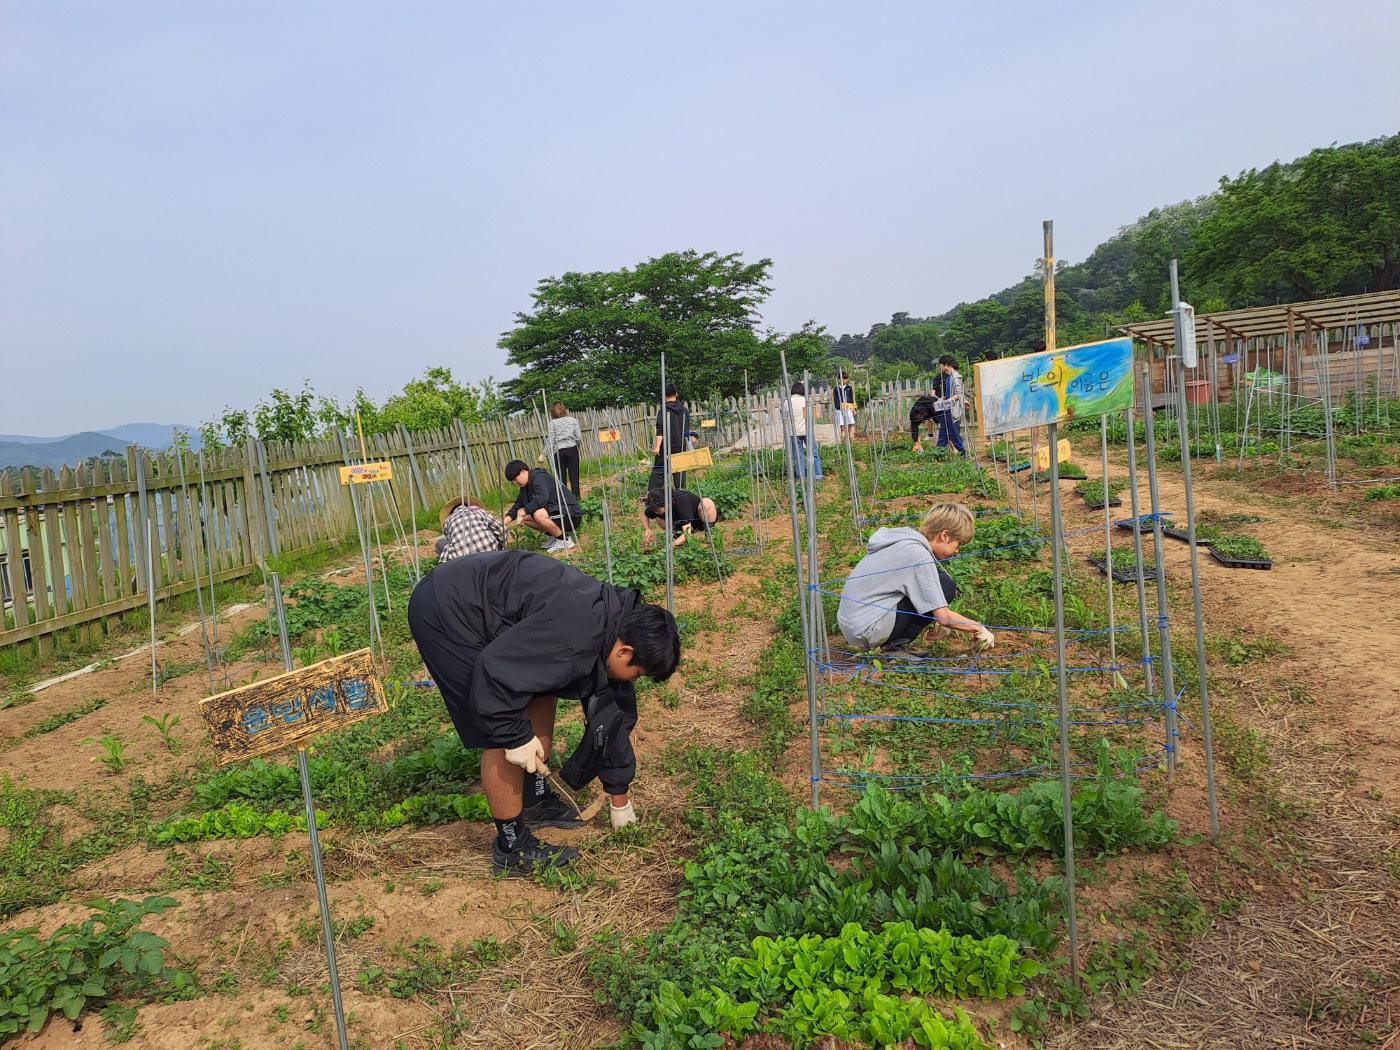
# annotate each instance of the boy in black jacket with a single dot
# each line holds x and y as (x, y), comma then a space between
(676, 418)
(539, 506)
(504, 635)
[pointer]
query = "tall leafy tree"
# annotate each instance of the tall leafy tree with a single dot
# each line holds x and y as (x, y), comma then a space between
(1327, 224)
(597, 338)
(919, 343)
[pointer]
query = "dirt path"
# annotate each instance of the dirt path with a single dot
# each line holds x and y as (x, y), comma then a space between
(1315, 966)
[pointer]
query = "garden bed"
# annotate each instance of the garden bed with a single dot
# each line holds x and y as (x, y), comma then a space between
(1125, 575)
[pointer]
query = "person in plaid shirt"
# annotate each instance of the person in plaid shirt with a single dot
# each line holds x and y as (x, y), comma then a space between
(468, 528)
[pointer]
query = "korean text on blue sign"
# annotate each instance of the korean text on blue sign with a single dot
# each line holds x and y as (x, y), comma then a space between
(291, 708)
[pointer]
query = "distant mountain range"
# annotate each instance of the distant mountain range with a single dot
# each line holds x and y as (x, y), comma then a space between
(25, 450)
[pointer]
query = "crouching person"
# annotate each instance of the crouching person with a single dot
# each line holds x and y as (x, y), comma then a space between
(898, 588)
(543, 505)
(504, 634)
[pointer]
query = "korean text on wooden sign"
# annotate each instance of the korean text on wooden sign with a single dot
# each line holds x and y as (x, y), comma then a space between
(1054, 386)
(608, 436)
(293, 707)
(364, 473)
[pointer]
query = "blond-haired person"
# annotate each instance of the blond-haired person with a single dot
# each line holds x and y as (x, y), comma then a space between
(897, 589)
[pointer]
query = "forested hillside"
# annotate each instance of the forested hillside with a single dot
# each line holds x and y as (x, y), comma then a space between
(1325, 224)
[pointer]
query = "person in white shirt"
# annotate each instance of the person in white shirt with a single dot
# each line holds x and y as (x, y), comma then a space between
(799, 427)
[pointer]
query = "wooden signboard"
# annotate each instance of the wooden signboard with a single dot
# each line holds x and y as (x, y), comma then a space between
(608, 436)
(293, 707)
(1055, 386)
(364, 473)
(690, 460)
(707, 422)
(1042, 455)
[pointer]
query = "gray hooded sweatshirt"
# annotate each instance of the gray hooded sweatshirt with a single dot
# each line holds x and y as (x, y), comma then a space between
(897, 564)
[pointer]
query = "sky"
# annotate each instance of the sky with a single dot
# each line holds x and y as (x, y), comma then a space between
(202, 201)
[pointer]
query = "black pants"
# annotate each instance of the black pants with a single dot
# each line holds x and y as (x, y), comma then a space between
(566, 468)
(909, 623)
(449, 660)
(658, 479)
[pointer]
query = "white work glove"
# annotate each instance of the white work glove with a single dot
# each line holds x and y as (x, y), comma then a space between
(939, 631)
(528, 756)
(984, 639)
(621, 816)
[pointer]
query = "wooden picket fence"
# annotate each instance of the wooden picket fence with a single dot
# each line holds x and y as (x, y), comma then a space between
(92, 542)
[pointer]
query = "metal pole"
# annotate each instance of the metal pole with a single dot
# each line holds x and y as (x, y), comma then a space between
(789, 442)
(1146, 638)
(364, 552)
(553, 460)
(412, 513)
(809, 496)
(327, 930)
(1057, 575)
(1108, 551)
(1164, 641)
(666, 494)
(1201, 680)
(471, 461)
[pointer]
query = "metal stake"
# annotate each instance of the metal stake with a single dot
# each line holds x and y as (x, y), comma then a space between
(327, 930)
(1164, 641)
(666, 493)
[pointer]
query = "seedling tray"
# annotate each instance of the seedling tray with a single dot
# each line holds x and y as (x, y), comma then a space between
(1149, 573)
(1099, 506)
(1238, 563)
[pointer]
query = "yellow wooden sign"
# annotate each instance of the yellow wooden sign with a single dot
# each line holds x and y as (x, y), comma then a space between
(293, 707)
(364, 473)
(707, 422)
(1042, 455)
(609, 436)
(691, 460)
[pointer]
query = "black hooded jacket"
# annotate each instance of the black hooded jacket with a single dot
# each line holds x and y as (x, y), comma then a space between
(541, 490)
(678, 419)
(542, 628)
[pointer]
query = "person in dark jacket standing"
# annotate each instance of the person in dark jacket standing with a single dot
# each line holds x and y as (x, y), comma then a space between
(504, 635)
(543, 505)
(676, 418)
(843, 403)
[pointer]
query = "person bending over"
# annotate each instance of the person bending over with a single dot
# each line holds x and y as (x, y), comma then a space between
(504, 634)
(468, 528)
(689, 513)
(539, 506)
(898, 588)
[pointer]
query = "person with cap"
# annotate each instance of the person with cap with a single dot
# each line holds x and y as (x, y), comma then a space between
(468, 528)
(543, 505)
(505, 634)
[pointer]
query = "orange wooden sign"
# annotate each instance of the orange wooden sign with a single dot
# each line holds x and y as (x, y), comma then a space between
(364, 473)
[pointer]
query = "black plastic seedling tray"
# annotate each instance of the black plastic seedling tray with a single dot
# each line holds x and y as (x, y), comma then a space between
(1238, 563)
(1099, 506)
(1149, 572)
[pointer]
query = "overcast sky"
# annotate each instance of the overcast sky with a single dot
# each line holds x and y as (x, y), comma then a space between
(202, 201)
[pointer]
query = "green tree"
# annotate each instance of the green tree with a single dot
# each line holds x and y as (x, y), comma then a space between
(1327, 224)
(429, 403)
(597, 338)
(919, 343)
(975, 328)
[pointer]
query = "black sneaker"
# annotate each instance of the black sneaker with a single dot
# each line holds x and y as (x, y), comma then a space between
(529, 856)
(551, 811)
